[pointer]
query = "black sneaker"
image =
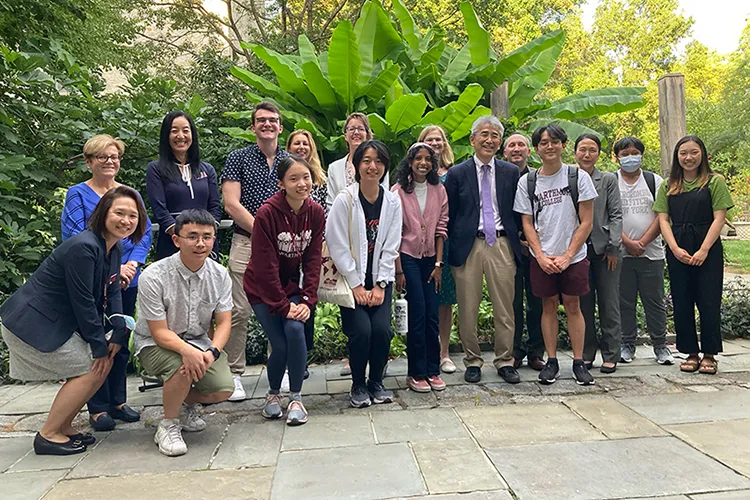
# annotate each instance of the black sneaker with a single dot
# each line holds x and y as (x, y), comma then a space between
(359, 397)
(581, 374)
(550, 372)
(378, 393)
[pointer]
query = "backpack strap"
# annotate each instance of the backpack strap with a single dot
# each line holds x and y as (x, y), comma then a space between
(531, 190)
(650, 182)
(573, 186)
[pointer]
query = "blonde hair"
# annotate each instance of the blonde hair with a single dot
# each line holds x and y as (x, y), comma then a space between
(446, 156)
(99, 143)
(365, 121)
(313, 159)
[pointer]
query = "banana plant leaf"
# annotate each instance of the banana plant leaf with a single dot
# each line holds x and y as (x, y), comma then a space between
(288, 74)
(408, 27)
(594, 103)
(531, 79)
(381, 129)
(507, 66)
(344, 73)
(479, 39)
(378, 87)
(462, 106)
(458, 64)
(405, 112)
(464, 128)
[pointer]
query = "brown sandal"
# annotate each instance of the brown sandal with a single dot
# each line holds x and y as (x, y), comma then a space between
(708, 366)
(691, 364)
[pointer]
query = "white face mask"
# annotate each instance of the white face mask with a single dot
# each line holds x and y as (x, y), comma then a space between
(631, 163)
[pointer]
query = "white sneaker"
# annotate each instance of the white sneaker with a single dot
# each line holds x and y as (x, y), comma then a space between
(169, 438)
(190, 419)
(285, 382)
(239, 391)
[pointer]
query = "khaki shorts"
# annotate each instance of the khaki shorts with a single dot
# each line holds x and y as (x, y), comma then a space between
(163, 363)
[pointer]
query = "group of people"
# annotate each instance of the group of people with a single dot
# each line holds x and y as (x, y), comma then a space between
(538, 238)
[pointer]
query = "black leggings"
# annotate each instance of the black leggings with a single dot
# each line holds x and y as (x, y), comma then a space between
(369, 332)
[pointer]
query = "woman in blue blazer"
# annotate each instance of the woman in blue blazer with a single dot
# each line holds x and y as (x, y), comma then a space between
(55, 325)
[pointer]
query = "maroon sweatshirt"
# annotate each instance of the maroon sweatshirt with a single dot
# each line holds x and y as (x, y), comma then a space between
(285, 244)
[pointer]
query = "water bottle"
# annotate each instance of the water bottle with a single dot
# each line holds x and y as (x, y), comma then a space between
(401, 313)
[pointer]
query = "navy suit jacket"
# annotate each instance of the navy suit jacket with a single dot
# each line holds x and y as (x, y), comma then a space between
(462, 187)
(66, 295)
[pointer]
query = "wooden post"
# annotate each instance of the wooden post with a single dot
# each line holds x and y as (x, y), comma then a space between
(499, 102)
(672, 117)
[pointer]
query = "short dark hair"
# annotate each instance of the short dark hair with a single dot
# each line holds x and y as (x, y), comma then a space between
(627, 142)
(98, 220)
(554, 130)
(591, 137)
(285, 164)
(197, 216)
(268, 106)
(380, 149)
(167, 160)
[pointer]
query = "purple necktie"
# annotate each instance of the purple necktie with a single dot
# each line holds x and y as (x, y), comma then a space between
(488, 215)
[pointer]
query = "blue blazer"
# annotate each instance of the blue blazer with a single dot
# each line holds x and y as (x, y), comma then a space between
(462, 187)
(66, 294)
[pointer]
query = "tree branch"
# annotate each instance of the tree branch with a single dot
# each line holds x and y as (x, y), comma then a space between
(333, 15)
(167, 42)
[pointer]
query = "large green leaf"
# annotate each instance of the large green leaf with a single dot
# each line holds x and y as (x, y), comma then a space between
(464, 128)
(532, 78)
(377, 89)
(408, 26)
(307, 52)
(406, 111)
(594, 103)
(366, 32)
(381, 129)
(458, 64)
(288, 74)
(434, 117)
(316, 81)
(479, 39)
(461, 108)
(344, 72)
(508, 65)
(255, 81)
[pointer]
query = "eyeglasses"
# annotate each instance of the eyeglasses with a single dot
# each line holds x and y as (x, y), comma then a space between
(263, 119)
(356, 129)
(193, 238)
(106, 158)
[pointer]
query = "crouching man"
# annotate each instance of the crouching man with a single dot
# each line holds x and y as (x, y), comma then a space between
(179, 298)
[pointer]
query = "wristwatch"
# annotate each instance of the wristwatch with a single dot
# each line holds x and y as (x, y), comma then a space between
(383, 284)
(213, 350)
(439, 263)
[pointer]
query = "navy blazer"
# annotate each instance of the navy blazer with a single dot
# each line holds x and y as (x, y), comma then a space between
(462, 187)
(66, 294)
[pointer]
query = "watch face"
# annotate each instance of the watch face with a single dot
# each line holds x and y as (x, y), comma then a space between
(382, 284)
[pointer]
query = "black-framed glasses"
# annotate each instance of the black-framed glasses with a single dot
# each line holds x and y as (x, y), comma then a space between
(106, 158)
(263, 119)
(361, 130)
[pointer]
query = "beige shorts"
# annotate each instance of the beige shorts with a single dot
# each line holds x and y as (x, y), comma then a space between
(163, 363)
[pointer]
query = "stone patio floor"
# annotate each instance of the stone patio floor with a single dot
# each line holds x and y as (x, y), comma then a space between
(647, 431)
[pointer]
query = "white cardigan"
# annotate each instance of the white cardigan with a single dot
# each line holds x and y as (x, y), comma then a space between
(337, 180)
(353, 267)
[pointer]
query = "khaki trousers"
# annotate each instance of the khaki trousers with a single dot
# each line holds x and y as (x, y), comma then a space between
(497, 265)
(239, 256)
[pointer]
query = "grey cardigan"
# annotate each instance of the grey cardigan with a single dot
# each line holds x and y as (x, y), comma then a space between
(606, 234)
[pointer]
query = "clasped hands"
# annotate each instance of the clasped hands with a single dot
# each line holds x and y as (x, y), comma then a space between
(195, 363)
(371, 298)
(697, 259)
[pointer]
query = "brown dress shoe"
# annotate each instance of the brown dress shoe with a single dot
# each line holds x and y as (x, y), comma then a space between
(536, 363)
(517, 362)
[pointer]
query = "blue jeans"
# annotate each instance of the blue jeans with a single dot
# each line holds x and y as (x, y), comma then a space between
(423, 340)
(287, 337)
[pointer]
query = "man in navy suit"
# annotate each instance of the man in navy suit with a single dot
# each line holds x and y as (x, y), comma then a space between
(483, 232)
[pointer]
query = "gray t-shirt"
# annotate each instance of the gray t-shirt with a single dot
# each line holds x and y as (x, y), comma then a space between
(186, 299)
(638, 214)
(556, 218)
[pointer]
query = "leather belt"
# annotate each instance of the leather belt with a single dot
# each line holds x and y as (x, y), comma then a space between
(500, 233)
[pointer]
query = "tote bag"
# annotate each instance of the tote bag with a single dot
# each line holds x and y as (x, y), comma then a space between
(333, 287)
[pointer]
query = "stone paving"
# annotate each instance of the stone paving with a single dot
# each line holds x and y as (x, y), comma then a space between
(647, 431)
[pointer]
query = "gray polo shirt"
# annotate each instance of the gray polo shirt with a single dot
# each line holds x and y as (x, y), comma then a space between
(186, 299)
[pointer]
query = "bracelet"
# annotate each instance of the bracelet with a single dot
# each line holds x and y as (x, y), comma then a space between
(400, 274)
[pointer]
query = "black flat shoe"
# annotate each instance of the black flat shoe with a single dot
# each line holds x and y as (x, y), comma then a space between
(126, 414)
(103, 423)
(473, 374)
(307, 374)
(608, 369)
(45, 447)
(85, 437)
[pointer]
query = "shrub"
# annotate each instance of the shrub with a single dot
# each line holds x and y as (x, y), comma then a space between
(735, 303)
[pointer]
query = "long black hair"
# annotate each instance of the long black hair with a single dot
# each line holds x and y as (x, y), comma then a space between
(380, 149)
(677, 174)
(167, 168)
(405, 174)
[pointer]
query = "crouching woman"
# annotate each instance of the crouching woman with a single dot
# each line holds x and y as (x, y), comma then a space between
(54, 325)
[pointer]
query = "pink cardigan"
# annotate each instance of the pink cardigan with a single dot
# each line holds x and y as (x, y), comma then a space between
(419, 230)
